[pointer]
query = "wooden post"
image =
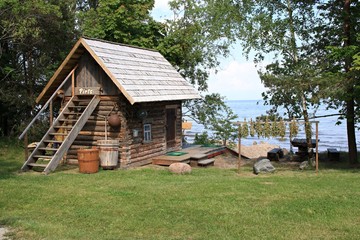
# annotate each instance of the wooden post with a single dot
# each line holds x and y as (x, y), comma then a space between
(73, 84)
(51, 117)
(26, 143)
(317, 148)
(239, 148)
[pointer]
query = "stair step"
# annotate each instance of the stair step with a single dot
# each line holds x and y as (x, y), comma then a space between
(206, 162)
(58, 134)
(43, 156)
(48, 149)
(37, 165)
(64, 127)
(67, 120)
(52, 141)
(78, 106)
(72, 113)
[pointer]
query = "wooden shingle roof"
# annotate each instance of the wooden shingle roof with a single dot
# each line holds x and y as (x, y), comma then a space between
(142, 75)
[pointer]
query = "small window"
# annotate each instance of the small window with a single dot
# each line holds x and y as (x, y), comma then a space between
(147, 132)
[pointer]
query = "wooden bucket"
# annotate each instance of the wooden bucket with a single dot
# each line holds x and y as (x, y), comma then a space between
(108, 153)
(88, 160)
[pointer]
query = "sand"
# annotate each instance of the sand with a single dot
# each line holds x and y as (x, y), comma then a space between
(256, 150)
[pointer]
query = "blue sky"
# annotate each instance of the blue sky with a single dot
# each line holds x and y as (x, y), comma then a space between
(236, 79)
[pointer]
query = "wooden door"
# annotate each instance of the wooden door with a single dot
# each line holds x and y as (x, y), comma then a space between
(170, 127)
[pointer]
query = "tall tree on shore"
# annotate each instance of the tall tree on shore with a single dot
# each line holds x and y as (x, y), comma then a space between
(337, 43)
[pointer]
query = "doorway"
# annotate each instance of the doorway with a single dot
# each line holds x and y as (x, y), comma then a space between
(170, 127)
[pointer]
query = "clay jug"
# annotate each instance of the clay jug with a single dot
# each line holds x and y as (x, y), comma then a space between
(114, 120)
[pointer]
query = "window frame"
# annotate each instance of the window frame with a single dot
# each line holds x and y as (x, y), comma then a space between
(147, 132)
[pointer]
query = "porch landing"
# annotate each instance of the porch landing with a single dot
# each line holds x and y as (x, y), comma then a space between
(192, 156)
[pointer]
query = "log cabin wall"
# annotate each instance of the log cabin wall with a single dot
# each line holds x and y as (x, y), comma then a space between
(141, 151)
(90, 74)
(133, 150)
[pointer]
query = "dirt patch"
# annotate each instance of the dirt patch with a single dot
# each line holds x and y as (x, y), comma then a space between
(3, 231)
(228, 161)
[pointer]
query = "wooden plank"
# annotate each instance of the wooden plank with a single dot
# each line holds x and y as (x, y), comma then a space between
(37, 165)
(43, 156)
(167, 162)
(206, 162)
(72, 135)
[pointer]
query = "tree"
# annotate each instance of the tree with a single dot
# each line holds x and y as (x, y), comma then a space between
(35, 37)
(123, 21)
(215, 115)
(282, 28)
(337, 44)
(298, 33)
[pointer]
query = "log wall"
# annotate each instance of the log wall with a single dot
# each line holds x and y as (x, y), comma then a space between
(133, 151)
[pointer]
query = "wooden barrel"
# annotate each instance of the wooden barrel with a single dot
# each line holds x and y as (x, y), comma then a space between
(108, 153)
(88, 160)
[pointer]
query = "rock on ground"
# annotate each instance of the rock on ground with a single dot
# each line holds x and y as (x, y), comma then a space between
(304, 165)
(180, 168)
(263, 166)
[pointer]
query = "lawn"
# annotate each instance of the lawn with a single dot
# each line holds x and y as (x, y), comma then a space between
(151, 203)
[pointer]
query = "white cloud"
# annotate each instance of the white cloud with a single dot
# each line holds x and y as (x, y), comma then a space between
(237, 81)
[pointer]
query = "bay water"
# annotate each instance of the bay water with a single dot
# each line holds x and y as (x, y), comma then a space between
(330, 134)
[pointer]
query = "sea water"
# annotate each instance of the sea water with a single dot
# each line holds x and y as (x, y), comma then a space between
(331, 135)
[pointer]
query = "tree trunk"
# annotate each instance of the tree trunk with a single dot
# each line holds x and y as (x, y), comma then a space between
(350, 127)
(350, 105)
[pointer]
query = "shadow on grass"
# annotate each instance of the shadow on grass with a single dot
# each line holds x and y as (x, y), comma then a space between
(11, 158)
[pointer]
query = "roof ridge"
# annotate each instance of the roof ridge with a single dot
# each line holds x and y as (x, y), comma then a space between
(120, 44)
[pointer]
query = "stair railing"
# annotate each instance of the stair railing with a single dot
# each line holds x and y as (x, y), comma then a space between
(46, 105)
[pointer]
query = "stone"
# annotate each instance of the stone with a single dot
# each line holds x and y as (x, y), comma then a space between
(304, 165)
(180, 168)
(263, 166)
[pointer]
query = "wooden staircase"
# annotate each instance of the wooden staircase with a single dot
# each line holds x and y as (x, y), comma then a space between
(58, 139)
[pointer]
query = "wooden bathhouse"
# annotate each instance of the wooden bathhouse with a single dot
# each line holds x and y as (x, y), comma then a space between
(100, 79)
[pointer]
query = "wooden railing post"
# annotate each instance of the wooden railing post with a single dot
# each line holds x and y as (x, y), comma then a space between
(26, 143)
(51, 117)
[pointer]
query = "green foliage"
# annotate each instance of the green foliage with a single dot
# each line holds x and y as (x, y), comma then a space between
(193, 43)
(123, 21)
(35, 37)
(214, 114)
(203, 139)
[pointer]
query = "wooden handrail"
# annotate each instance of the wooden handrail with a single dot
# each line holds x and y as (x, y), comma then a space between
(46, 104)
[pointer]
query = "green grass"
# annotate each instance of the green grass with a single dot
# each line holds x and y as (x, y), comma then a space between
(154, 204)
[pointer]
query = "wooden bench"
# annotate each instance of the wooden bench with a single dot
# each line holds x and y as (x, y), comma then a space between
(206, 162)
(333, 154)
(275, 154)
